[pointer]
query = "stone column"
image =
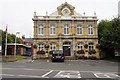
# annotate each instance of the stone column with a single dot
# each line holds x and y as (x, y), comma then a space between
(60, 44)
(73, 46)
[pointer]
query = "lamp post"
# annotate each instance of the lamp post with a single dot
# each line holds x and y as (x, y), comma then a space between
(15, 44)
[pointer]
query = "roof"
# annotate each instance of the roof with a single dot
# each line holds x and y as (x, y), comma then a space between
(71, 7)
(28, 40)
(11, 44)
(75, 14)
(56, 16)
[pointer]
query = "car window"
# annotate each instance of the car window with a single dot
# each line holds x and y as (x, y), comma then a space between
(57, 52)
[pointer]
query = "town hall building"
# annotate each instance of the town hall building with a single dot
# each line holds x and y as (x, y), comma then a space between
(66, 30)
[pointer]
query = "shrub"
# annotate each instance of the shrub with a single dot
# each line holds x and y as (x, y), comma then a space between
(51, 52)
(80, 57)
(92, 52)
(85, 45)
(41, 52)
(93, 58)
(46, 46)
(90, 57)
(80, 52)
(35, 46)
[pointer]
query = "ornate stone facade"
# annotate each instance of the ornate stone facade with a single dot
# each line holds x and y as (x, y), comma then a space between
(66, 30)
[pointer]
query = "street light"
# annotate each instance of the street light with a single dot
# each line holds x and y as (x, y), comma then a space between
(15, 44)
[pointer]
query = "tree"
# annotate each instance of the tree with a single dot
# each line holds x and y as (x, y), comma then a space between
(10, 38)
(109, 35)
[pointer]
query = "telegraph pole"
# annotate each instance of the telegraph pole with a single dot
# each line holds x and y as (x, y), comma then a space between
(6, 43)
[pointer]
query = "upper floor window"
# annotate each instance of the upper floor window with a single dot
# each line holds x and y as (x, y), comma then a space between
(79, 29)
(90, 29)
(91, 46)
(52, 29)
(80, 46)
(40, 47)
(40, 29)
(52, 47)
(66, 29)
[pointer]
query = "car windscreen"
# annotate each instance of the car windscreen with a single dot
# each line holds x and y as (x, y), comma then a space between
(57, 52)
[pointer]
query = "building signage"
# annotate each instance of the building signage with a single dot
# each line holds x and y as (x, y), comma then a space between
(117, 53)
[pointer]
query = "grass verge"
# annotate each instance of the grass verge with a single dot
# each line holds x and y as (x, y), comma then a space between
(20, 57)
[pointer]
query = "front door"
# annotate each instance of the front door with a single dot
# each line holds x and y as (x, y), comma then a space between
(66, 50)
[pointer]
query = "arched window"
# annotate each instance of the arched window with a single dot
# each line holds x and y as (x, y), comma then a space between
(80, 46)
(52, 47)
(90, 29)
(40, 47)
(66, 29)
(91, 46)
(52, 29)
(79, 29)
(40, 29)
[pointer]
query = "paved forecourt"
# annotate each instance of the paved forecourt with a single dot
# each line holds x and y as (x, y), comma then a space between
(36, 73)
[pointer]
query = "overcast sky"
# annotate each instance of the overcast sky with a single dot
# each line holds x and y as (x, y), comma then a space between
(18, 14)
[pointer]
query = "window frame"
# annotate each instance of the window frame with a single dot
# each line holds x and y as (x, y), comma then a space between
(80, 46)
(90, 29)
(66, 29)
(40, 47)
(91, 45)
(52, 29)
(79, 29)
(40, 29)
(52, 47)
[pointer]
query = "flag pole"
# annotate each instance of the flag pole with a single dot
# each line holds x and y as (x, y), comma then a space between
(6, 43)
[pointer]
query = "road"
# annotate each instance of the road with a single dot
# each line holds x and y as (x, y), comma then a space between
(67, 69)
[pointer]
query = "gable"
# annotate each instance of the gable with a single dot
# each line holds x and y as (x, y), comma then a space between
(67, 6)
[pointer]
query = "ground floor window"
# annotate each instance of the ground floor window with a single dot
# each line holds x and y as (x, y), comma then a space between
(80, 46)
(91, 46)
(41, 47)
(52, 47)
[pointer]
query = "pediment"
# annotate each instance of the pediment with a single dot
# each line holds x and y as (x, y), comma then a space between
(65, 4)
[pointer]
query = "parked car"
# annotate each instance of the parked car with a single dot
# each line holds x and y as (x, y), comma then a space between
(57, 56)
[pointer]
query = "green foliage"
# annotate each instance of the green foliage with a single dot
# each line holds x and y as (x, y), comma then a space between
(10, 38)
(80, 52)
(109, 34)
(20, 57)
(51, 52)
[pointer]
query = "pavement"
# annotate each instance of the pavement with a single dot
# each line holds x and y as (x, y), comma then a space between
(69, 69)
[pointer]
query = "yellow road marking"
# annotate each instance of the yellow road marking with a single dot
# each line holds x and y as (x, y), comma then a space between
(54, 70)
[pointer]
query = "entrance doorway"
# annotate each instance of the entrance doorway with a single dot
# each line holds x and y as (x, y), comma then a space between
(66, 49)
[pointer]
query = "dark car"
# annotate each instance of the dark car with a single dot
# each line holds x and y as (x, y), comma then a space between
(57, 56)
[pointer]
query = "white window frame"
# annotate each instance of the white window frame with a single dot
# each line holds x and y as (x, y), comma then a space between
(79, 29)
(40, 29)
(66, 29)
(91, 45)
(52, 47)
(80, 46)
(90, 30)
(40, 47)
(52, 29)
